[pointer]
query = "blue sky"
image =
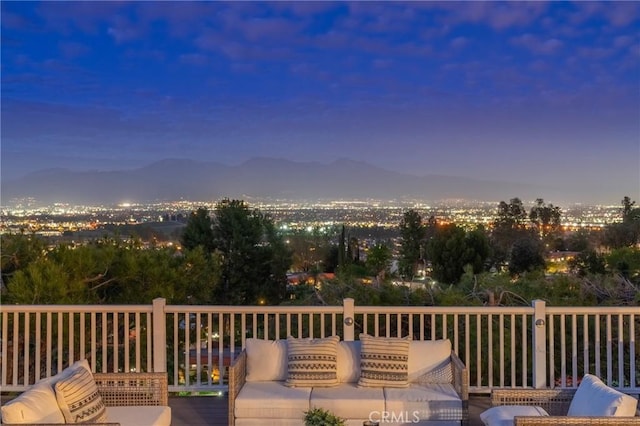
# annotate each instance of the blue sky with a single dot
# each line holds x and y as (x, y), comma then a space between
(541, 92)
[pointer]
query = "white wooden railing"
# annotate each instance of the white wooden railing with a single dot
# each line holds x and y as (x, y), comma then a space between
(536, 346)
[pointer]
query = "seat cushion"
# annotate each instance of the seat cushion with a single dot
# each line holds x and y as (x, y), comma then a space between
(271, 400)
(154, 415)
(384, 361)
(427, 402)
(312, 362)
(594, 398)
(349, 401)
(266, 360)
(504, 414)
(38, 404)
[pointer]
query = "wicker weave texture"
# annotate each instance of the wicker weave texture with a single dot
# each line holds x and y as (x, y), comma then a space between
(555, 402)
(126, 389)
(558, 420)
(237, 378)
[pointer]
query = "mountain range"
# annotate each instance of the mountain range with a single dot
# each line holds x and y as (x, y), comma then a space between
(175, 179)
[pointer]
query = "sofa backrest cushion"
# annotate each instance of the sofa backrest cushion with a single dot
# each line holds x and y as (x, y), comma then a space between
(79, 399)
(430, 361)
(594, 398)
(384, 361)
(266, 360)
(312, 362)
(35, 405)
(348, 361)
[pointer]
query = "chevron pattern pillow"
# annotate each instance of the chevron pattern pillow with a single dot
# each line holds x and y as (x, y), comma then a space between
(384, 362)
(79, 399)
(312, 362)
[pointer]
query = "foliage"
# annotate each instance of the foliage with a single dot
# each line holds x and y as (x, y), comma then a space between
(379, 260)
(254, 257)
(526, 255)
(412, 236)
(546, 217)
(321, 417)
(452, 248)
(199, 231)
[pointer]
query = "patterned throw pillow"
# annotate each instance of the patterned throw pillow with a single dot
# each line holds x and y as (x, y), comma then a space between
(79, 399)
(384, 362)
(312, 362)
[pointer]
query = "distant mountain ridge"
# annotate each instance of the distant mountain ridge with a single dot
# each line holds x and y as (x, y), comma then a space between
(174, 179)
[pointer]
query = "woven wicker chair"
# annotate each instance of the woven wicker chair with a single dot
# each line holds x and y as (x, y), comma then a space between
(130, 389)
(555, 402)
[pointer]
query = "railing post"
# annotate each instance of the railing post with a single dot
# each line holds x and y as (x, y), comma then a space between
(348, 314)
(539, 337)
(159, 335)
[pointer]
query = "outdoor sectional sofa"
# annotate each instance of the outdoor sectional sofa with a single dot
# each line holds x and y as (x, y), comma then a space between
(263, 389)
(75, 395)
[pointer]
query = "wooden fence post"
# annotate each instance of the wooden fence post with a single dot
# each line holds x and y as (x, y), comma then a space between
(539, 343)
(159, 335)
(348, 320)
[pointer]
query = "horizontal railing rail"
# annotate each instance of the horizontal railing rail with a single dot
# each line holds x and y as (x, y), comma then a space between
(518, 347)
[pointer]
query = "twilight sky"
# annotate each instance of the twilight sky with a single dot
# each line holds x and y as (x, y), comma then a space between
(540, 92)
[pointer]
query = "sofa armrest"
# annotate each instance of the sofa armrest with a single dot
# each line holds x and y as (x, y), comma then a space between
(564, 420)
(126, 389)
(461, 384)
(460, 377)
(554, 401)
(237, 378)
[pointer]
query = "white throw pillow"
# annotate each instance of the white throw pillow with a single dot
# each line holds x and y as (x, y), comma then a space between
(266, 360)
(348, 361)
(504, 414)
(38, 404)
(384, 361)
(79, 399)
(430, 361)
(594, 398)
(312, 362)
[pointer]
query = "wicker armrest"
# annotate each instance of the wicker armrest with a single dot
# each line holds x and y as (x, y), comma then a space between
(564, 420)
(461, 384)
(554, 401)
(126, 389)
(237, 378)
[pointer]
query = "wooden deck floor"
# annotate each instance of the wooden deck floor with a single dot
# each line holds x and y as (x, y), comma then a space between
(212, 410)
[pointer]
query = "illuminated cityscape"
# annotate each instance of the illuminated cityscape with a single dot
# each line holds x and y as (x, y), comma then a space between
(80, 221)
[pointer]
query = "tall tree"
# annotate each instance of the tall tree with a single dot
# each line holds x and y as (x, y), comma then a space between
(199, 231)
(508, 227)
(254, 256)
(452, 249)
(412, 236)
(546, 217)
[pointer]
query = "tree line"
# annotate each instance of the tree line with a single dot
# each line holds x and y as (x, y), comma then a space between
(236, 255)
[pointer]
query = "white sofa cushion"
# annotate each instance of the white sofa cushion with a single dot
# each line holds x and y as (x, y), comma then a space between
(504, 414)
(427, 402)
(348, 361)
(594, 398)
(79, 399)
(384, 361)
(148, 415)
(349, 401)
(312, 362)
(430, 361)
(266, 360)
(36, 405)
(271, 400)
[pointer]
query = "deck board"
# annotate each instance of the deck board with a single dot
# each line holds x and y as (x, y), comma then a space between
(212, 410)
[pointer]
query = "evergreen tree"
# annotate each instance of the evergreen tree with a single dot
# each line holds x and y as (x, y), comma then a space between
(412, 237)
